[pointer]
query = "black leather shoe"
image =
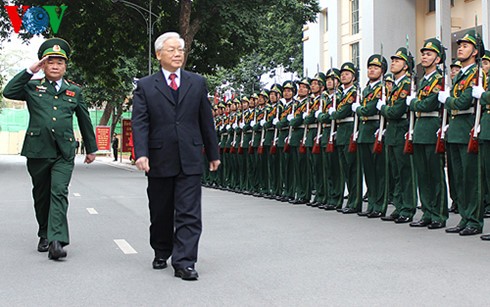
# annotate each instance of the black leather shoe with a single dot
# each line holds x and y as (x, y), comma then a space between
(420, 223)
(322, 206)
(485, 237)
(314, 204)
(298, 201)
(456, 229)
(339, 209)
(364, 213)
(403, 219)
(389, 218)
(486, 215)
(454, 208)
(375, 214)
(186, 274)
(329, 207)
(43, 245)
(159, 263)
(436, 225)
(469, 231)
(349, 211)
(56, 251)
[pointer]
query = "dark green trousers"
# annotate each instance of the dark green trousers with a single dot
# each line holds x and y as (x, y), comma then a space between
(485, 156)
(287, 172)
(467, 179)
(317, 182)
(350, 165)
(50, 180)
(262, 172)
(333, 178)
(274, 172)
(431, 180)
(301, 175)
(373, 166)
(453, 194)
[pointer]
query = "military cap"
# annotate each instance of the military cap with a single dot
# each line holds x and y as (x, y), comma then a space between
(456, 63)
(54, 47)
(320, 77)
(244, 98)
(486, 55)
(404, 54)
(229, 102)
(215, 107)
(264, 93)
(221, 105)
(378, 60)
(349, 66)
(389, 77)
(254, 95)
(236, 100)
(276, 87)
(475, 39)
(289, 84)
(333, 73)
(306, 81)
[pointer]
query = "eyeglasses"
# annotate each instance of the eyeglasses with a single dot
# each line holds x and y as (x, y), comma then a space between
(173, 50)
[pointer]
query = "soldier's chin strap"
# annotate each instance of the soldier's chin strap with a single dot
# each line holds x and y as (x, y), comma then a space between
(476, 57)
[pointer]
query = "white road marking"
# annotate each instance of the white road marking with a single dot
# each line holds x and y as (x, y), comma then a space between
(92, 211)
(125, 247)
(76, 194)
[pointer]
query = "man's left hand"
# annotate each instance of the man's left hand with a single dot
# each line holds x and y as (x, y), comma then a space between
(213, 165)
(89, 158)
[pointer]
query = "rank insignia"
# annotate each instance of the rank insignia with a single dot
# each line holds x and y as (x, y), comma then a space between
(41, 89)
(403, 94)
(70, 93)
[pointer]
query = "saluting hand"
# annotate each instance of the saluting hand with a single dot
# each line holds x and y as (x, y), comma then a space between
(143, 164)
(38, 65)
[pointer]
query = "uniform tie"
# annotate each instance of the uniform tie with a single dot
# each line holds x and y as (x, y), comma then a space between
(55, 85)
(173, 84)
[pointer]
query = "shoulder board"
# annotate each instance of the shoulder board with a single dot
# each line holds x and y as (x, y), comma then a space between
(72, 82)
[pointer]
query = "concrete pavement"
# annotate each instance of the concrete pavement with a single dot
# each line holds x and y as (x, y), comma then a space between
(253, 252)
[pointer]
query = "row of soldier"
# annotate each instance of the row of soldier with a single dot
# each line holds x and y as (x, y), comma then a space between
(305, 142)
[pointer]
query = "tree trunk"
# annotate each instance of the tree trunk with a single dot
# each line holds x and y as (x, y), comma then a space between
(116, 117)
(188, 28)
(106, 115)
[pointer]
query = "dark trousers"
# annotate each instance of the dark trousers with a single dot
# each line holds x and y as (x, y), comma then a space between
(373, 166)
(114, 150)
(50, 180)
(175, 216)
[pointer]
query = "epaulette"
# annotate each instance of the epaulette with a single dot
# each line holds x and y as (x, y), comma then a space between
(73, 82)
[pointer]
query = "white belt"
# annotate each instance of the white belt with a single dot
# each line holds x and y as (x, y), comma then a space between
(309, 126)
(461, 112)
(427, 114)
(345, 120)
(374, 117)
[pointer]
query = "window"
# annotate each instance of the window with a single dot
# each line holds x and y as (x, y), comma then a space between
(355, 16)
(432, 5)
(355, 53)
(325, 20)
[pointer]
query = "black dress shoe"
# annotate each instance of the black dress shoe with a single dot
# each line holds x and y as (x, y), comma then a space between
(456, 229)
(403, 219)
(186, 274)
(389, 218)
(485, 237)
(420, 223)
(486, 215)
(329, 207)
(469, 231)
(56, 251)
(349, 210)
(364, 213)
(454, 208)
(314, 204)
(339, 209)
(159, 263)
(437, 225)
(298, 201)
(43, 245)
(375, 214)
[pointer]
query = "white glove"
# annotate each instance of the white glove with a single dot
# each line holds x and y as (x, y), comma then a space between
(241, 125)
(252, 123)
(290, 117)
(478, 129)
(317, 113)
(380, 103)
(409, 99)
(221, 128)
(234, 126)
(444, 128)
(443, 95)
(477, 91)
(275, 121)
(356, 135)
(384, 130)
(305, 115)
(355, 105)
(331, 110)
(376, 132)
(262, 122)
(228, 126)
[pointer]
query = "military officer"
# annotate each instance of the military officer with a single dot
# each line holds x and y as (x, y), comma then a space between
(428, 164)
(373, 164)
(49, 144)
(344, 118)
(394, 110)
(465, 165)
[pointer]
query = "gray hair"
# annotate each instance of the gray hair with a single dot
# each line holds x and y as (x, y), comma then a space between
(166, 36)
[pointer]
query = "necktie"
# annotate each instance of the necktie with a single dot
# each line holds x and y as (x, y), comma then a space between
(173, 84)
(55, 85)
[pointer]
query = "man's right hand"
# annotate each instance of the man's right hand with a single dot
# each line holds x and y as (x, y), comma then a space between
(143, 164)
(38, 65)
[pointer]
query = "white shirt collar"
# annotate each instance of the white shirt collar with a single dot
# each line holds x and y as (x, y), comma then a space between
(429, 75)
(373, 84)
(399, 79)
(464, 69)
(346, 89)
(167, 74)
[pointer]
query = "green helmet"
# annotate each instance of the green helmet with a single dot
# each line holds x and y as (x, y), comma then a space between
(389, 77)
(289, 84)
(276, 87)
(433, 44)
(244, 98)
(333, 73)
(378, 60)
(264, 93)
(404, 54)
(486, 55)
(456, 63)
(320, 77)
(349, 66)
(475, 39)
(306, 81)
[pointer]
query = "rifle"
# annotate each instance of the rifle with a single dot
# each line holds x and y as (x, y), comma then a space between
(226, 149)
(273, 149)
(330, 145)
(232, 145)
(441, 134)
(287, 147)
(302, 145)
(251, 147)
(408, 148)
(260, 149)
(473, 142)
(240, 147)
(378, 140)
(353, 138)
(316, 147)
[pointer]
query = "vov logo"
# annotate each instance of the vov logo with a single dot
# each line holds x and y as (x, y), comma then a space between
(36, 19)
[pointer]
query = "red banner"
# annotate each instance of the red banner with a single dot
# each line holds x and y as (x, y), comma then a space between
(103, 137)
(126, 135)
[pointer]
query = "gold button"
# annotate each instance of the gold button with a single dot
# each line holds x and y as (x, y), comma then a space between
(69, 100)
(54, 119)
(55, 97)
(32, 133)
(55, 108)
(52, 130)
(71, 139)
(40, 95)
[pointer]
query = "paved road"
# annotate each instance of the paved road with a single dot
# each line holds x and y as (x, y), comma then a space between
(253, 252)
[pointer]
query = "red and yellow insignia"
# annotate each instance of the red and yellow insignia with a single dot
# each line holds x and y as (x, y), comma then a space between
(56, 48)
(403, 94)
(70, 93)
(351, 99)
(378, 95)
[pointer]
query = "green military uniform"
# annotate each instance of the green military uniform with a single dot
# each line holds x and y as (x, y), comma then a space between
(428, 164)
(485, 176)
(249, 171)
(466, 166)
(49, 144)
(373, 164)
(394, 111)
(274, 173)
(349, 162)
(261, 158)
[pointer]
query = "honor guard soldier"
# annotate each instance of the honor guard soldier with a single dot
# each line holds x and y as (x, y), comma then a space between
(332, 175)
(261, 160)
(49, 144)
(428, 164)
(485, 65)
(373, 163)
(465, 162)
(245, 137)
(270, 143)
(395, 112)
(455, 68)
(344, 118)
